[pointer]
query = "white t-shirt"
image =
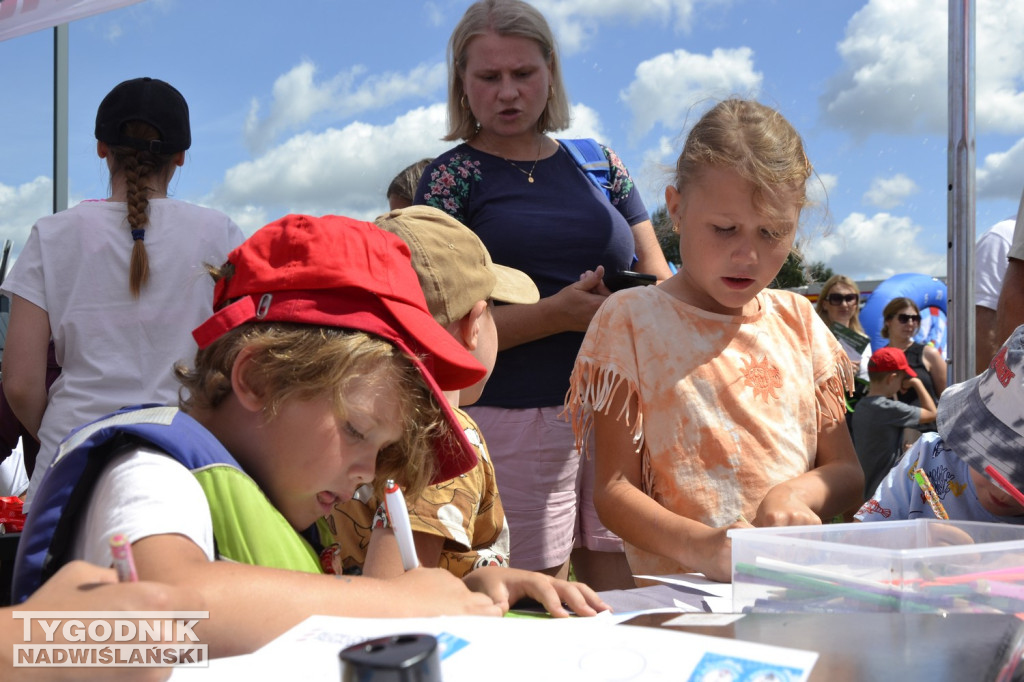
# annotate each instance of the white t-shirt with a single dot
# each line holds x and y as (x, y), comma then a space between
(143, 492)
(990, 255)
(1017, 244)
(116, 350)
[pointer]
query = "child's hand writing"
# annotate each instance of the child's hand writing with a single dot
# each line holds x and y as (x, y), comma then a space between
(435, 591)
(506, 586)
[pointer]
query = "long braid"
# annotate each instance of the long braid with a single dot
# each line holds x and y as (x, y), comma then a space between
(140, 168)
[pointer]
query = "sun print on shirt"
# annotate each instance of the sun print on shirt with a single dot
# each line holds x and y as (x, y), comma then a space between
(763, 377)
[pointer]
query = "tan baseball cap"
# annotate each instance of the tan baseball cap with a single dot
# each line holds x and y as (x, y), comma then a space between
(453, 265)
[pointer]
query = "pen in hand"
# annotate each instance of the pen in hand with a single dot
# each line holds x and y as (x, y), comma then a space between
(398, 516)
(124, 563)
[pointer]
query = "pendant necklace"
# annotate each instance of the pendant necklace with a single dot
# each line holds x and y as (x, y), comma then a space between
(529, 176)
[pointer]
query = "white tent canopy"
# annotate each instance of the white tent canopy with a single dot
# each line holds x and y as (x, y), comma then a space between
(18, 17)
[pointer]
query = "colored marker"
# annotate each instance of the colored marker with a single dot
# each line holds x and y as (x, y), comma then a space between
(1006, 485)
(929, 494)
(398, 516)
(124, 562)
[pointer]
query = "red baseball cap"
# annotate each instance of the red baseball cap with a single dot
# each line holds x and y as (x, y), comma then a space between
(889, 359)
(333, 271)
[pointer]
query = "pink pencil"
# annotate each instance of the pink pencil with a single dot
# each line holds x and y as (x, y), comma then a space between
(1007, 486)
(124, 562)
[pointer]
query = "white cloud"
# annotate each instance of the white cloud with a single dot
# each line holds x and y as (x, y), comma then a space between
(297, 97)
(576, 22)
(877, 247)
(1000, 175)
(896, 61)
(665, 86)
(820, 186)
(586, 122)
(344, 171)
(21, 207)
(887, 193)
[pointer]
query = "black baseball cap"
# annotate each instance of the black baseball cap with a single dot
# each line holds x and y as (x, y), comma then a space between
(151, 101)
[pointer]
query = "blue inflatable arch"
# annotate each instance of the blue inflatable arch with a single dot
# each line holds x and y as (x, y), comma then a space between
(927, 292)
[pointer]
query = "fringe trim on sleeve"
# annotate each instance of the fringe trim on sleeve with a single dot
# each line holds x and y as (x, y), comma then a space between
(830, 393)
(591, 388)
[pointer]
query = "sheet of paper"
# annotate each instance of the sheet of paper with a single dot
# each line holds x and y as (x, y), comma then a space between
(693, 581)
(584, 649)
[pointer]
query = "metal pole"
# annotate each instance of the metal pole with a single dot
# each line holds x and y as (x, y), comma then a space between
(60, 117)
(960, 190)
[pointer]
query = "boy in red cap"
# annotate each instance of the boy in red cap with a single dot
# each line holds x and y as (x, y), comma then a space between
(320, 370)
(879, 420)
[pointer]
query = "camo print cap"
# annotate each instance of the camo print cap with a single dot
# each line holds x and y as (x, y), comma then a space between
(982, 419)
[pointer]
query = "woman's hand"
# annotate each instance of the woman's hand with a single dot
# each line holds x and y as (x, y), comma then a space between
(506, 586)
(578, 302)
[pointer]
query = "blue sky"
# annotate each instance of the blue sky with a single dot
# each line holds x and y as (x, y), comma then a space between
(313, 106)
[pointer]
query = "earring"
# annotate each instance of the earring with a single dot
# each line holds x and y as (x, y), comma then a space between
(675, 227)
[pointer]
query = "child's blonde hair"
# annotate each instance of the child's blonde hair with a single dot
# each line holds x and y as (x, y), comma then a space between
(301, 362)
(757, 142)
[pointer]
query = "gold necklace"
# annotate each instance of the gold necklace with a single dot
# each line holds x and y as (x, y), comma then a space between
(529, 176)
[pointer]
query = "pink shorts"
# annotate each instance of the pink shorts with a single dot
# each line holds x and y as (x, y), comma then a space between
(546, 488)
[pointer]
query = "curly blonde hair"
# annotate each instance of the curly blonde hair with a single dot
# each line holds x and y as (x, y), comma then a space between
(300, 362)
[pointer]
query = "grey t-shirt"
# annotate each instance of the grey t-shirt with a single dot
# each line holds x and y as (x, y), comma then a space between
(878, 424)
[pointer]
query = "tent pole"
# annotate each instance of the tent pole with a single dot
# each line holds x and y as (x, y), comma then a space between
(960, 191)
(60, 117)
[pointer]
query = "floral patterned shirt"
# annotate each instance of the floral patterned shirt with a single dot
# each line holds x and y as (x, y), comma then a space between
(553, 229)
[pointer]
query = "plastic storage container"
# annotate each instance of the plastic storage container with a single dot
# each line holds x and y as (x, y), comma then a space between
(924, 565)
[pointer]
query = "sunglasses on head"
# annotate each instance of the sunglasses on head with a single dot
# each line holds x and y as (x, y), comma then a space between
(904, 318)
(839, 299)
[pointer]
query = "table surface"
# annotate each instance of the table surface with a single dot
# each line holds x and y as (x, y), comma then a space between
(868, 647)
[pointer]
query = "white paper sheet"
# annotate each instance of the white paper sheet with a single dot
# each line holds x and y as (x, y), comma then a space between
(585, 649)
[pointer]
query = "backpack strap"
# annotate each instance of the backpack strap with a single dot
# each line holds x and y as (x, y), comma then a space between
(590, 158)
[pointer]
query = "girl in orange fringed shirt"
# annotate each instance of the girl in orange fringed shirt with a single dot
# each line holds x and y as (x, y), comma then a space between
(714, 399)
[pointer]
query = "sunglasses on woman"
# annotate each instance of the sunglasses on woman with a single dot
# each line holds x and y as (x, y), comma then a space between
(904, 318)
(839, 299)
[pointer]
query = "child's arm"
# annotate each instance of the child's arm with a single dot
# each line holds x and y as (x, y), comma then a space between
(637, 518)
(24, 384)
(81, 586)
(924, 399)
(250, 605)
(384, 560)
(505, 586)
(834, 485)
(936, 368)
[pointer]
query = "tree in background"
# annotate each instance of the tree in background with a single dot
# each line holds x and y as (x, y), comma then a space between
(667, 239)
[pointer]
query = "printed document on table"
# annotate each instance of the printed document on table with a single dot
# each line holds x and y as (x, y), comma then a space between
(570, 649)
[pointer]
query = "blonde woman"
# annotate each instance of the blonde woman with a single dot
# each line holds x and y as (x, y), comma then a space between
(839, 306)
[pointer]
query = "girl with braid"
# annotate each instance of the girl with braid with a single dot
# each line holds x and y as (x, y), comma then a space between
(119, 283)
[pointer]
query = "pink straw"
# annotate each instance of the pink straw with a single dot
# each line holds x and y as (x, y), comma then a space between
(1006, 485)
